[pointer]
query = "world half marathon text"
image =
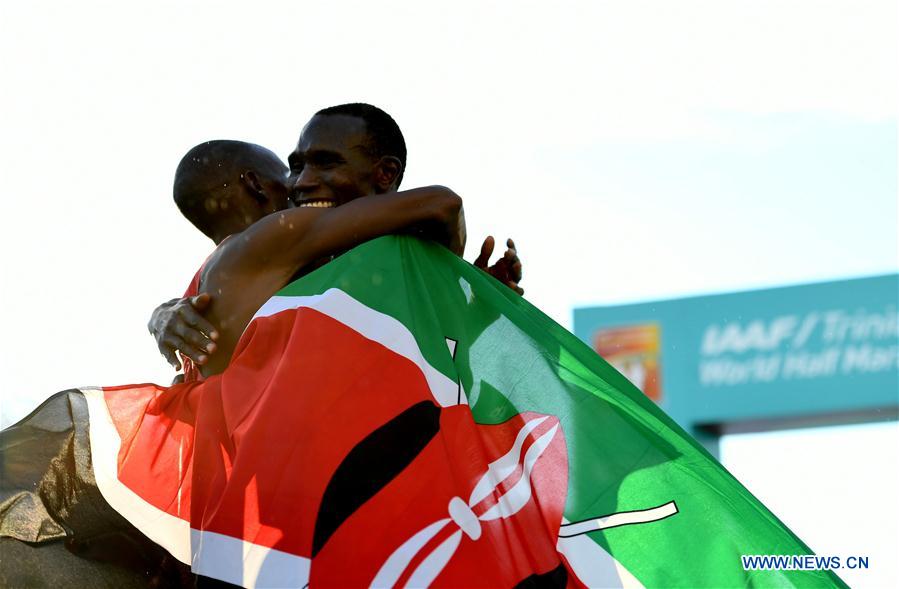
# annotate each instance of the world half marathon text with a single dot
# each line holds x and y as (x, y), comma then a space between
(819, 344)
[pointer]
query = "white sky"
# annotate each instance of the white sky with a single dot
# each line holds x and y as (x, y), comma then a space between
(635, 150)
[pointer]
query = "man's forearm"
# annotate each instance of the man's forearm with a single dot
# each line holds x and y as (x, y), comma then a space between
(433, 212)
(290, 240)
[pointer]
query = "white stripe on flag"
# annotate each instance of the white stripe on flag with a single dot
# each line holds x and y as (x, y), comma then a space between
(375, 326)
(214, 555)
(246, 564)
(170, 532)
(594, 566)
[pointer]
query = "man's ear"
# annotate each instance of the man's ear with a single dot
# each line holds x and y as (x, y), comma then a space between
(254, 185)
(387, 171)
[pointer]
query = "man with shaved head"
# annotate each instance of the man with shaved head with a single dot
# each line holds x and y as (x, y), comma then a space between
(344, 152)
(272, 249)
(205, 184)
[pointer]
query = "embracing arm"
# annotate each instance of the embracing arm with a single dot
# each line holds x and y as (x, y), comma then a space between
(253, 265)
(269, 252)
(287, 241)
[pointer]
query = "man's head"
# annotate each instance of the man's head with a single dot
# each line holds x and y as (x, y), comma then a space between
(345, 152)
(223, 186)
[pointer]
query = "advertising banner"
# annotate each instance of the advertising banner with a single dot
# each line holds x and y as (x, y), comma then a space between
(827, 352)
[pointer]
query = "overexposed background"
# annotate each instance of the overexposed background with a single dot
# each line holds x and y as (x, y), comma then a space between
(635, 150)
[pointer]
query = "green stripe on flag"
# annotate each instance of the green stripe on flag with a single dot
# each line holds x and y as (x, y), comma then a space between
(624, 453)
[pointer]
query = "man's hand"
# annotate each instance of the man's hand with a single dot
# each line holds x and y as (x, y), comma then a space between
(459, 235)
(178, 325)
(507, 269)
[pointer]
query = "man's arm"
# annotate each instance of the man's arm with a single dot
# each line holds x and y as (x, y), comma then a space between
(287, 241)
(252, 266)
(180, 320)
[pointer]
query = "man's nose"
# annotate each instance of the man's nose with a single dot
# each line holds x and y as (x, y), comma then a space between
(307, 180)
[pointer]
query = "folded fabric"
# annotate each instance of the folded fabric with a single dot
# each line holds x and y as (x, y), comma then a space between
(399, 418)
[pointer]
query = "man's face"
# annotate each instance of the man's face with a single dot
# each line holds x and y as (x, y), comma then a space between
(331, 165)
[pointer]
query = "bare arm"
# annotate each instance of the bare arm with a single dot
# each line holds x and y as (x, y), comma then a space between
(255, 264)
(287, 241)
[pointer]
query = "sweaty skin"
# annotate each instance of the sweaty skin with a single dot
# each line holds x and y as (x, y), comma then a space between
(251, 266)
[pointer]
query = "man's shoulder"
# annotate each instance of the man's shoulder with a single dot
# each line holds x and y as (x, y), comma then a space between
(193, 289)
(195, 284)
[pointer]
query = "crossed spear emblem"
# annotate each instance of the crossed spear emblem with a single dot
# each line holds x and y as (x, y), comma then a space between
(468, 515)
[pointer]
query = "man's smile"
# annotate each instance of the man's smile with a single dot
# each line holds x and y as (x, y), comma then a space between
(320, 204)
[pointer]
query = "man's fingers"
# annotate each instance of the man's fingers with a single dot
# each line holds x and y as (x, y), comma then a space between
(486, 251)
(514, 262)
(197, 321)
(195, 338)
(198, 356)
(171, 357)
(512, 265)
(200, 301)
(507, 269)
(179, 326)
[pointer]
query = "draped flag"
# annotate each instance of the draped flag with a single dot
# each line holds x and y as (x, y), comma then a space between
(398, 418)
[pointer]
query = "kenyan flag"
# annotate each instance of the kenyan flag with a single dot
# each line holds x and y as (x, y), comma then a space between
(397, 418)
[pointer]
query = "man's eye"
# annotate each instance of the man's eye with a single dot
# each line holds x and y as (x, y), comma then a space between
(323, 160)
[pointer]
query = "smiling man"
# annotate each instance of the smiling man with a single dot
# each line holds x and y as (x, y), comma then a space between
(334, 162)
(330, 165)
